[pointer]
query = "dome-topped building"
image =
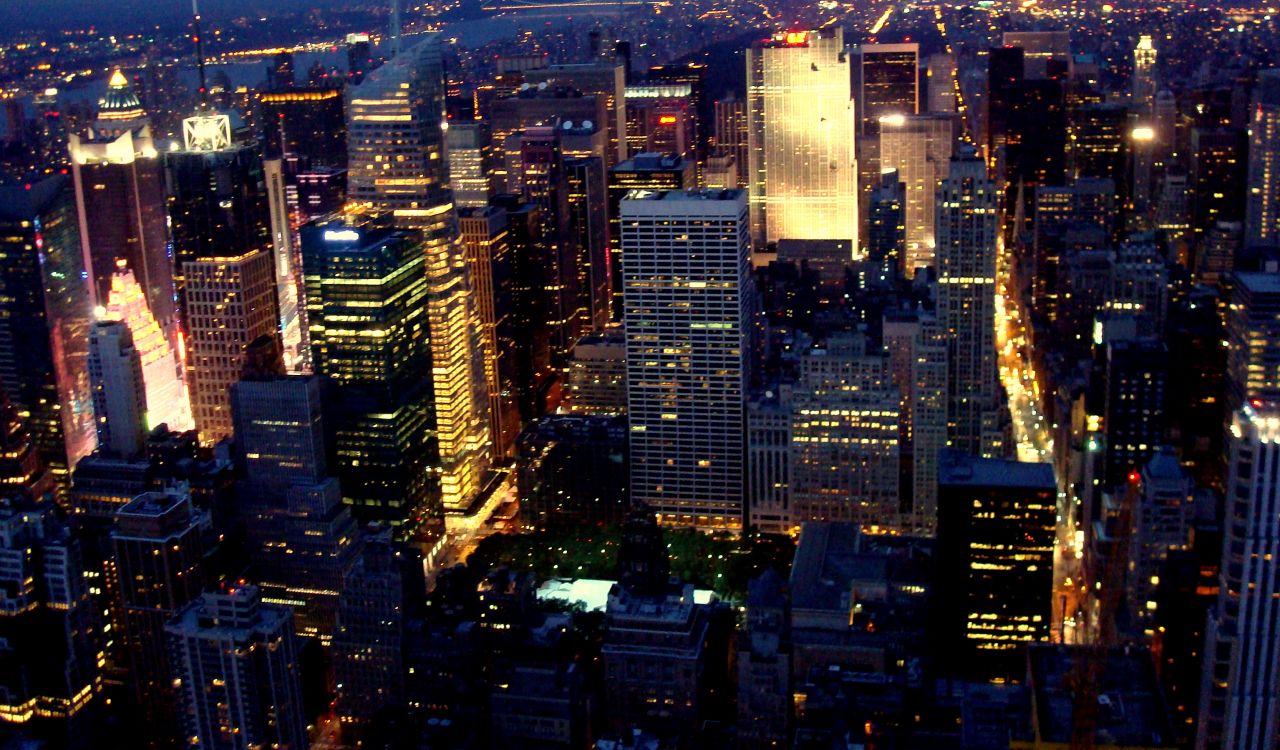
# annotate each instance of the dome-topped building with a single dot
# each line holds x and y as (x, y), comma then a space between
(120, 104)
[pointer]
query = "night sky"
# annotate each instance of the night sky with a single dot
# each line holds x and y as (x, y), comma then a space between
(16, 14)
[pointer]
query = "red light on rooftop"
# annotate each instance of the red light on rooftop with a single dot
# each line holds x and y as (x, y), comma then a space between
(1134, 477)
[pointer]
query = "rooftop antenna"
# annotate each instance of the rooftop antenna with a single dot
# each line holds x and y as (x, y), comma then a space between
(395, 27)
(195, 36)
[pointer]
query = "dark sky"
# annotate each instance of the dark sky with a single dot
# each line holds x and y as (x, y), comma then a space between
(115, 14)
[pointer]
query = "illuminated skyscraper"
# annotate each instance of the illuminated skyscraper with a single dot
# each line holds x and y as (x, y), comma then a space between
(1144, 75)
(304, 122)
(966, 258)
(844, 436)
(644, 172)
(1263, 220)
(801, 123)
(403, 102)
(917, 350)
(364, 277)
(602, 80)
(119, 396)
(1253, 339)
(235, 669)
(159, 563)
(167, 400)
(996, 522)
(217, 196)
(230, 302)
(688, 300)
(121, 204)
(919, 147)
(472, 159)
(1240, 689)
(731, 133)
(51, 679)
(47, 315)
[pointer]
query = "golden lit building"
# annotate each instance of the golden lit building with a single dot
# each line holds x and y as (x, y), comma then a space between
(801, 128)
(167, 399)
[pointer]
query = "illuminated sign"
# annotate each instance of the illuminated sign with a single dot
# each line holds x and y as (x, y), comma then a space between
(341, 235)
(667, 120)
(797, 37)
(1144, 133)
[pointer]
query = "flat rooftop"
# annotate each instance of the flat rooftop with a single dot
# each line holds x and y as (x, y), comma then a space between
(962, 470)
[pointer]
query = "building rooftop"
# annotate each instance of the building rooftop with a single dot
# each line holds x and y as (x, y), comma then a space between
(1259, 282)
(702, 194)
(1131, 712)
(962, 470)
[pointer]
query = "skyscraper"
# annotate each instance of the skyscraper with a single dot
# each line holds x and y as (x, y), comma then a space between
(844, 436)
(642, 172)
(888, 83)
(368, 276)
(1263, 210)
(308, 123)
(996, 522)
(230, 302)
(159, 563)
(966, 257)
(234, 662)
(1240, 686)
(167, 399)
(472, 160)
(403, 102)
(49, 680)
(801, 122)
(1144, 75)
(121, 204)
(919, 148)
(44, 336)
(687, 302)
(217, 198)
(119, 397)
(1253, 339)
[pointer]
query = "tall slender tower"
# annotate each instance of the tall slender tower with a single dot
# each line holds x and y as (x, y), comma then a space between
(1240, 693)
(966, 256)
(119, 397)
(403, 103)
(801, 125)
(919, 148)
(1263, 209)
(687, 299)
(1144, 75)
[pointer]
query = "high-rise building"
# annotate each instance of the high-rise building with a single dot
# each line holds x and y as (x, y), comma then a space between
(887, 228)
(801, 122)
(888, 83)
(687, 304)
(234, 661)
(1219, 173)
(597, 374)
(119, 396)
(966, 257)
(1042, 50)
(731, 134)
(996, 526)
(305, 123)
(586, 201)
(48, 312)
(919, 148)
(167, 400)
(230, 302)
(368, 276)
(403, 102)
(1240, 687)
(764, 665)
(940, 75)
(485, 239)
(303, 539)
(662, 117)
(50, 681)
(1253, 339)
(159, 564)
(217, 197)
(121, 203)
(768, 503)
(370, 645)
(1134, 419)
(1143, 94)
(1263, 210)
(571, 469)
(917, 349)
(607, 81)
(472, 160)
(1162, 521)
(844, 436)
(649, 171)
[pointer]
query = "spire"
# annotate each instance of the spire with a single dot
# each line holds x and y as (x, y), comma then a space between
(395, 28)
(195, 36)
